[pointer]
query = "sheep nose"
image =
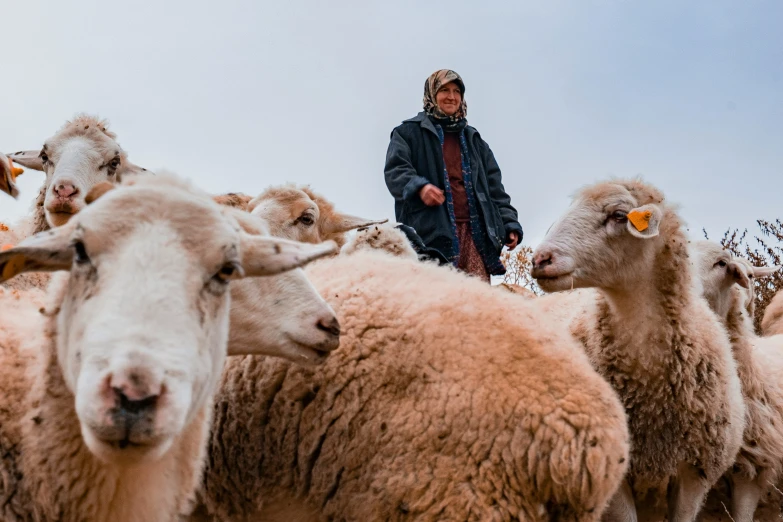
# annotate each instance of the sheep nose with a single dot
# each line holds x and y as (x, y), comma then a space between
(542, 259)
(65, 190)
(331, 326)
(134, 408)
(136, 384)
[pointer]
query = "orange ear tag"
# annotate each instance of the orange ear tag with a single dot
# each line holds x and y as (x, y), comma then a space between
(12, 267)
(640, 220)
(7, 246)
(15, 171)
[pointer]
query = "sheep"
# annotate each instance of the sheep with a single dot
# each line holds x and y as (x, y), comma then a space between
(653, 337)
(83, 153)
(487, 415)
(728, 287)
(396, 239)
(106, 402)
(771, 323)
(8, 174)
(384, 237)
(298, 213)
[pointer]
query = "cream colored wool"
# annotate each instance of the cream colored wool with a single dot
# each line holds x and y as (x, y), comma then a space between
(447, 400)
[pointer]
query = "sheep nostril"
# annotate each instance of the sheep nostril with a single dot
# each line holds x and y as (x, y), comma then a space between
(134, 407)
(541, 260)
(65, 190)
(330, 326)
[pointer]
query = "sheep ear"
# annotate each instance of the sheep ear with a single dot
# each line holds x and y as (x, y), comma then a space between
(263, 256)
(233, 199)
(129, 168)
(644, 222)
(344, 223)
(28, 158)
(739, 275)
(43, 252)
(765, 271)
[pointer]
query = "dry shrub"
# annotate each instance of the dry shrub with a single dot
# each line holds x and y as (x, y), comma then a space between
(518, 263)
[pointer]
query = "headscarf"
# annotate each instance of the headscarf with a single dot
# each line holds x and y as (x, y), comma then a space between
(438, 79)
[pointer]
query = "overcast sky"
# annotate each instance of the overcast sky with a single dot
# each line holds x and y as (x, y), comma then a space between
(242, 95)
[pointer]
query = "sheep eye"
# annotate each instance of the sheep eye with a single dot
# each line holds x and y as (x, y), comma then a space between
(44, 157)
(721, 263)
(225, 274)
(619, 216)
(114, 165)
(80, 253)
(306, 219)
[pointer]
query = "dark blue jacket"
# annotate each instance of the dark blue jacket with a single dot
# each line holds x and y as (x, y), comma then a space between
(415, 158)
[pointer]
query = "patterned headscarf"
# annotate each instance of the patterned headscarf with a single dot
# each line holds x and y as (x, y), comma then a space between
(437, 80)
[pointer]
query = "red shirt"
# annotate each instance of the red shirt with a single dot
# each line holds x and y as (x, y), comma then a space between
(452, 157)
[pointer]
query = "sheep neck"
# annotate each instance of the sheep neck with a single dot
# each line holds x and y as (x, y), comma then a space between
(741, 335)
(68, 483)
(659, 298)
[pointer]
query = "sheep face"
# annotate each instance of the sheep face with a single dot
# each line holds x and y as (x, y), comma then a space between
(606, 239)
(294, 216)
(719, 271)
(302, 215)
(282, 316)
(78, 157)
(143, 320)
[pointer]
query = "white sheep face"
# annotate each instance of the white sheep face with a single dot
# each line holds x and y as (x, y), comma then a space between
(74, 163)
(143, 322)
(141, 363)
(80, 155)
(595, 244)
(718, 272)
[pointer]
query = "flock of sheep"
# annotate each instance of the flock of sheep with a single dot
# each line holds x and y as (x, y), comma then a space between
(172, 355)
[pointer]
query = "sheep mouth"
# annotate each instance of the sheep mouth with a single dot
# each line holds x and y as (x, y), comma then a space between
(59, 214)
(62, 207)
(310, 354)
(554, 282)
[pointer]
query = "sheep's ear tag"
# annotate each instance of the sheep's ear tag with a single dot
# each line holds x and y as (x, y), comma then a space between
(640, 219)
(15, 171)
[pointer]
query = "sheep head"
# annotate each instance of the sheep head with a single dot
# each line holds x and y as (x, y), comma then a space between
(721, 273)
(301, 214)
(143, 316)
(81, 154)
(608, 238)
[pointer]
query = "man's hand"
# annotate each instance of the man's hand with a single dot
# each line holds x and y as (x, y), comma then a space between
(431, 195)
(513, 239)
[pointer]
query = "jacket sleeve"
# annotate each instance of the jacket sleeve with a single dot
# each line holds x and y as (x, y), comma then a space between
(402, 179)
(498, 193)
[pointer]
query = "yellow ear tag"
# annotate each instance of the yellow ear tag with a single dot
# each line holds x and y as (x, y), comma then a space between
(640, 220)
(12, 267)
(15, 171)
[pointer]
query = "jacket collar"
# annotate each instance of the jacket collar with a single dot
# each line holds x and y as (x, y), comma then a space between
(422, 119)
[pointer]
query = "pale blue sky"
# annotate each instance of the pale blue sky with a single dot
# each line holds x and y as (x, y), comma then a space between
(241, 95)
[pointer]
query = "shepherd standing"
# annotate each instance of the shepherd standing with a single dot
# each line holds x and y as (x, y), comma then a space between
(446, 183)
